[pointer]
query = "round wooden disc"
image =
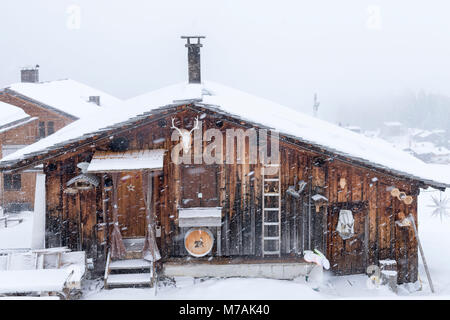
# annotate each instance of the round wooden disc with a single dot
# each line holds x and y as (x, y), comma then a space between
(395, 192)
(408, 200)
(198, 242)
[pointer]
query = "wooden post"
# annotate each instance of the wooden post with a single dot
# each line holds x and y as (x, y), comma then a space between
(151, 225)
(219, 244)
(413, 223)
(105, 216)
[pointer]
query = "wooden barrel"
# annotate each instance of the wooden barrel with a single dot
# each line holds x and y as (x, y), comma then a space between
(198, 242)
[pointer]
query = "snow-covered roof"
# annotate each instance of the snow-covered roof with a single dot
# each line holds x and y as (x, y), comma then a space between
(66, 96)
(427, 133)
(392, 124)
(10, 114)
(244, 106)
(428, 147)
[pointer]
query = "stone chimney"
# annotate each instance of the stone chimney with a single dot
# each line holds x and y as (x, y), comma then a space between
(194, 69)
(94, 99)
(30, 74)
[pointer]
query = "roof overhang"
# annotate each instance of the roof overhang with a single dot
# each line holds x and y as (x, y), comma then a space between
(105, 161)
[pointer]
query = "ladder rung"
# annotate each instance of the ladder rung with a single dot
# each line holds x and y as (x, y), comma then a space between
(271, 209)
(271, 252)
(271, 194)
(272, 179)
(271, 223)
(272, 165)
(271, 238)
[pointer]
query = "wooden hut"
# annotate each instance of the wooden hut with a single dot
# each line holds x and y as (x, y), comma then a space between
(226, 218)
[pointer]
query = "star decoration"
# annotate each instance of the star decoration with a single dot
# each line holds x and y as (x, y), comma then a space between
(441, 206)
(130, 188)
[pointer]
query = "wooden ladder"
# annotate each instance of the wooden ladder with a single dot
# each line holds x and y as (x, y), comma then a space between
(273, 211)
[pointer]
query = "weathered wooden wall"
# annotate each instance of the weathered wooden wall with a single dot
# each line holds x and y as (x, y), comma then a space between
(237, 189)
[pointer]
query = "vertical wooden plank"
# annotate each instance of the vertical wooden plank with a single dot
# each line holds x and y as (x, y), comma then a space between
(371, 190)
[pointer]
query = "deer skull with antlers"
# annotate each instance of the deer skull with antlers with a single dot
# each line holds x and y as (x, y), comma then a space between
(185, 134)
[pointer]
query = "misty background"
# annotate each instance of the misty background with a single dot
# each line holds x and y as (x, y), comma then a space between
(368, 61)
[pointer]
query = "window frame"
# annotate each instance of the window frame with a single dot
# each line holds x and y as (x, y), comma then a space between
(41, 130)
(51, 125)
(12, 182)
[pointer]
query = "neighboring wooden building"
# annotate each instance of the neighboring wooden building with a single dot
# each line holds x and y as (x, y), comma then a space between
(53, 105)
(123, 172)
(17, 129)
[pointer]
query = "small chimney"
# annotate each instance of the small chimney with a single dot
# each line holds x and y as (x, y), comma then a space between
(30, 74)
(194, 58)
(94, 99)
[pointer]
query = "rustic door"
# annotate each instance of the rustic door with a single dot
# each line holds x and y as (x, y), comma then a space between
(131, 205)
(72, 222)
(348, 256)
(80, 219)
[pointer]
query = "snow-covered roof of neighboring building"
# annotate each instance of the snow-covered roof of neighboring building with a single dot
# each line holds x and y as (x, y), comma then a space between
(427, 148)
(10, 114)
(66, 96)
(427, 133)
(244, 106)
(392, 124)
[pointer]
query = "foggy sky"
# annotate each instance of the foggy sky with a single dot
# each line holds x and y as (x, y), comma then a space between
(281, 50)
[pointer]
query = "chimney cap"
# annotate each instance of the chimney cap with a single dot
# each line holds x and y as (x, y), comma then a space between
(29, 67)
(188, 38)
(197, 37)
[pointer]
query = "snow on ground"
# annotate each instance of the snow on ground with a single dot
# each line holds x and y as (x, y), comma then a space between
(435, 240)
(436, 245)
(17, 235)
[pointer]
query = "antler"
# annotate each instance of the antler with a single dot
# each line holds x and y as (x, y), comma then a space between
(173, 127)
(195, 126)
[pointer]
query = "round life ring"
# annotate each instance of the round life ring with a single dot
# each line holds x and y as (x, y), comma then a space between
(198, 242)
